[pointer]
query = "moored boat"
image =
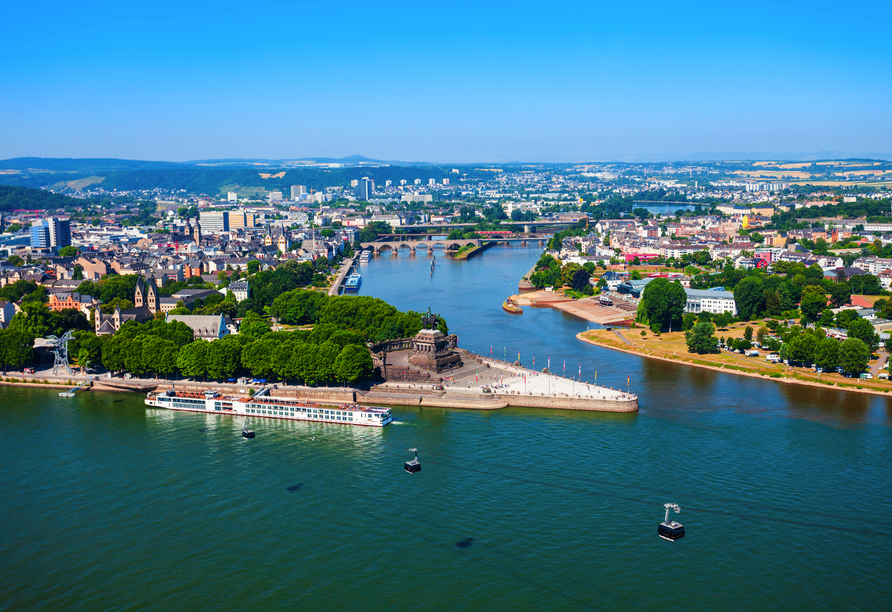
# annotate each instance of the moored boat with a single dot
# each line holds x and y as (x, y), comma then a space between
(353, 281)
(510, 305)
(271, 407)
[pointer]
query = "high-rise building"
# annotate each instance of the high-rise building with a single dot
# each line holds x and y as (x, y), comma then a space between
(445, 181)
(214, 220)
(403, 182)
(232, 196)
(60, 232)
(40, 235)
(236, 218)
(365, 188)
(275, 196)
(51, 233)
(388, 183)
(417, 181)
(297, 191)
(431, 182)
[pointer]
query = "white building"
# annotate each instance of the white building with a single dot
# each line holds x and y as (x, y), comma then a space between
(240, 290)
(231, 196)
(707, 300)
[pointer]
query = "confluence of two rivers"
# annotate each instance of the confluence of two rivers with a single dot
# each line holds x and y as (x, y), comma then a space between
(785, 490)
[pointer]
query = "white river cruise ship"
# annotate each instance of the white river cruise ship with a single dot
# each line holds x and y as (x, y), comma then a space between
(262, 405)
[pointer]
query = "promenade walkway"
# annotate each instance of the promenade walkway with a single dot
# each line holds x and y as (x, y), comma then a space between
(501, 378)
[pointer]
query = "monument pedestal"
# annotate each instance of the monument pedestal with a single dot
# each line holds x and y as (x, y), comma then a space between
(431, 350)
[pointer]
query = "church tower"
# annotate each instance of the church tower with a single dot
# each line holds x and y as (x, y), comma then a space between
(152, 296)
(196, 233)
(139, 293)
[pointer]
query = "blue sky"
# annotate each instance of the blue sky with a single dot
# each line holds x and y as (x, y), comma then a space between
(457, 81)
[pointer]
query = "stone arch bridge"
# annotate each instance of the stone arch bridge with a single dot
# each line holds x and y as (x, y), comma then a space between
(414, 245)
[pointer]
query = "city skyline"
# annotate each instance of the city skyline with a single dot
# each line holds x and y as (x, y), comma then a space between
(494, 83)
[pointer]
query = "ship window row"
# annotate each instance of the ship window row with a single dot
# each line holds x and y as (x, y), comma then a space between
(320, 413)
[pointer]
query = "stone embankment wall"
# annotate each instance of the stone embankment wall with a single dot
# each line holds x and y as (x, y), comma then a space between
(570, 403)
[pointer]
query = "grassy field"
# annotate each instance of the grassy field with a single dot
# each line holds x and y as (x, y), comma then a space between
(671, 346)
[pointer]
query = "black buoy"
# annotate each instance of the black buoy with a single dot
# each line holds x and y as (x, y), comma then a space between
(670, 530)
(247, 433)
(413, 466)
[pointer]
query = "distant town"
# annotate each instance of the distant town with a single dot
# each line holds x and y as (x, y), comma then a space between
(192, 242)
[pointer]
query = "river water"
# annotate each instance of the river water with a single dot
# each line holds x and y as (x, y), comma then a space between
(785, 491)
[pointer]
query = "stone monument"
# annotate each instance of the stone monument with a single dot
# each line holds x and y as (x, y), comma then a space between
(431, 348)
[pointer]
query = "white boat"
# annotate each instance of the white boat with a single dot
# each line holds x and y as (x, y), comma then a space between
(353, 281)
(271, 407)
(365, 257)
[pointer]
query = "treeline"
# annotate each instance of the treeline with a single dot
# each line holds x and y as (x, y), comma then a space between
(847, 210)
(334, 350)
(757, 293)
(25, 198)
(550, 273)
(374, 319)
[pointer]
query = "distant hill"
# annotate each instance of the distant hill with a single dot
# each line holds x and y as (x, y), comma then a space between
(24, 198)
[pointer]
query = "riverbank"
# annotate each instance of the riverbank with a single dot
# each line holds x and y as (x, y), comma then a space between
(589, 309)
(671, 347)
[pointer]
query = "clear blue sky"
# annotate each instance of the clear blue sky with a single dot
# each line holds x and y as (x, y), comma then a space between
(456, 81)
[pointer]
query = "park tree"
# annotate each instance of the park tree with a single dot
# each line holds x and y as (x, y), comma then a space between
(15, 348)
(813, 302)
(298, 307)
(302, 364)
(580, 279)
(853, 355)
(257, 357)
(254, 326)
(827, 318)
(700, 339)
(749, 295)
(327, 354)
(748, 333)
(803, 348)
(191, 360)
(68, 251)
(864, 331)
(840, 294)
(827, 354)
(353, 363)
(223, 357)
(761, 334)
(663, 303)
(159, 355)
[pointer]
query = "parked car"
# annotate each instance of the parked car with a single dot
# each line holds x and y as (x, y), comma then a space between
(883, 375)
(772, 357)
(866, 376)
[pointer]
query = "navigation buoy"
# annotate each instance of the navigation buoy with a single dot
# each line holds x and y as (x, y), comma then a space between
(413, 465)
(670, 530)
